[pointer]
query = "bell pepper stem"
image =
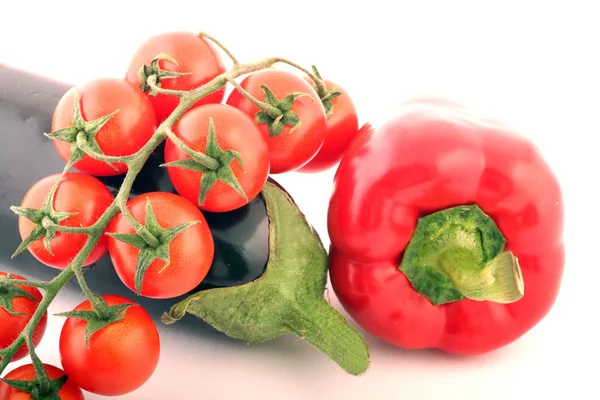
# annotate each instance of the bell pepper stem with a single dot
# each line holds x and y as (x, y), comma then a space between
(459, 253)
(500, 280)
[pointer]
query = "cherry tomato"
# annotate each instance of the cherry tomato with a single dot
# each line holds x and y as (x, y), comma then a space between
(12, 325)
(194, 54)
(234, 130)
(125, 133)
(290, 150)
(68, 391)
(342, 127)
(120, 357)
(190, 253)
(84, 196)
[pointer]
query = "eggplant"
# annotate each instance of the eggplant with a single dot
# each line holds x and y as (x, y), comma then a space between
(27, 102)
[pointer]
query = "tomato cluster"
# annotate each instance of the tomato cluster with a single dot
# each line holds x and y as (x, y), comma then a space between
(218, 157)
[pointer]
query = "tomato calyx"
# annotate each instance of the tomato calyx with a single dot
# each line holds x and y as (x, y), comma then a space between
(215, 164)
(276, 121)
(46, 221)
(154, 243)
(152, 74)
(82, 136)
(98, 318)
(326, 95)
(458, 253)
(39, 388)
(9, 291)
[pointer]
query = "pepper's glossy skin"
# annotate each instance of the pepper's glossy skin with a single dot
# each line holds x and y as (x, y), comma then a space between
(427, 156)
(27, 103)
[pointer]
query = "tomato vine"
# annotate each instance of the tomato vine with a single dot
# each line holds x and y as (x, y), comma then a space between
(81, 137)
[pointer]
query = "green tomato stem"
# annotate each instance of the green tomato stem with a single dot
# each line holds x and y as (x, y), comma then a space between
(154, 86)
(54, 286)
(102, 157)
(319, 84)
(49, 224)
(97, 302)
(139, 228)
(203, 159)
(272, 111)
(40, 372)
(39, 285)
(221, 46)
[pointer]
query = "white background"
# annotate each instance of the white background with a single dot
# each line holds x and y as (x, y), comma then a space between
(534, 64)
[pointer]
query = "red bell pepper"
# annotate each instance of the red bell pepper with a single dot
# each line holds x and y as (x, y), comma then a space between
(446, 230)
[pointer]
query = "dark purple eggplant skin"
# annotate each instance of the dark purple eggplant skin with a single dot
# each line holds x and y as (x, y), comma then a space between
(27, 102)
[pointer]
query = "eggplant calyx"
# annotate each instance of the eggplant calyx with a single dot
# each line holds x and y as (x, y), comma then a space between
(288, 297)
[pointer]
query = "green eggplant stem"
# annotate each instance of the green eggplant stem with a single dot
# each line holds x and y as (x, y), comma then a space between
(288, 297)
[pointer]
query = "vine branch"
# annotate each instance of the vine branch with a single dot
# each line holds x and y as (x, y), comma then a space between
(135, 162)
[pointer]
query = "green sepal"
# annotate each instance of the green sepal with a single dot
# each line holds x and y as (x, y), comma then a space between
(288, 297)
(95, 321)
(32, 214)
(75, 156)
(48, 241)
(10, 291)
(36, 390)
(148, 253)
(286, 118)
(222, 173)
(153, 69)
(328, 95)
(262, 117)
(132, 239)
(187, 163)
(82, 134)
(207, 181)
(146, 257)
(38, 217)
(37, 233)
(68, 134)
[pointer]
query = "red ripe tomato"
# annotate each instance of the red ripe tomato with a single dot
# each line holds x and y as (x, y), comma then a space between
(234, 130)
(290, 150)
(68, 391)
(190, 253)
(84, 196)
(342, 127)
(125, 132)
(13, 325)
(194, 54)
(120, 357)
